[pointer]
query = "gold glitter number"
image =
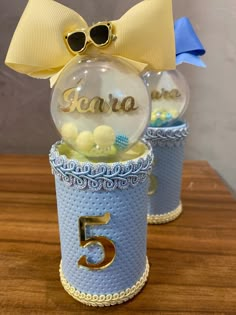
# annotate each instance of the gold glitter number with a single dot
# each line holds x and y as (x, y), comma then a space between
(106, 244)
(153, 185)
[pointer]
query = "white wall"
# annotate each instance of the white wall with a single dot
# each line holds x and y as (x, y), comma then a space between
(212, 112)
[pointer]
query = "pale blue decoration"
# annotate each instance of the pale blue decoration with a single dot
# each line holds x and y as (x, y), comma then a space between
(100, 176)
(168, 148)
(189, 48)
(89, 189)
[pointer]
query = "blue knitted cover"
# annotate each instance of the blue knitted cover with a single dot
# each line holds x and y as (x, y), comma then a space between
(168, 148)
(89, 189)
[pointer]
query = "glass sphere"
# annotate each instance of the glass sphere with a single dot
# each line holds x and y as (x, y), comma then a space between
(100, 106)
(170, 96)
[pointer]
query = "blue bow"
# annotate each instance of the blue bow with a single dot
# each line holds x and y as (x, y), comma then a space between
(188, 46)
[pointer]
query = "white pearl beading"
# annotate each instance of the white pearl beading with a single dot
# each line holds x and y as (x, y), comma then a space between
(165, 218)
(108, 299)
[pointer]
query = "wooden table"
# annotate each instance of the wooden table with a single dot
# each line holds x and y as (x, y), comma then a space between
(193, 260)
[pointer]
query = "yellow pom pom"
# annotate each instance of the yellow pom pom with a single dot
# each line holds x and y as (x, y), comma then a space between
(174, 113)
(163, 116)
(85, 141)
(104, 136)
(69, 131)
(153, 117)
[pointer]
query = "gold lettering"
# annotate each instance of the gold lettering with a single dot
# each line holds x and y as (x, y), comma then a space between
(106, 108)
(128, 104)
(70, 97)
(115, 105)
(95, 105)
(83, 105)
(175, 93)
(156, 95)
(165, 94)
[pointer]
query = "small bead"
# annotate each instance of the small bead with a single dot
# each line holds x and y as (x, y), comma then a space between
(174, 113)
(153, 117)
(168, 116)
(122, 142)
(153, 124)
(163, 116)
(159, 122)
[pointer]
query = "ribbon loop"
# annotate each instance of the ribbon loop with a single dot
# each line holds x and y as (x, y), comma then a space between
(38, 48)
(144, 36)
(188, 45)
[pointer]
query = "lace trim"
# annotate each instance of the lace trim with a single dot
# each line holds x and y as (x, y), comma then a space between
(167, 137)
(108, 299)
(165, 218)
(98, 176)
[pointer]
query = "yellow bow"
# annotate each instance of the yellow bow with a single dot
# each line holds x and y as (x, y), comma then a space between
(144, 36)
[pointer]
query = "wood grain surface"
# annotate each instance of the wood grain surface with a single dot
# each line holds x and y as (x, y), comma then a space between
(193, 260)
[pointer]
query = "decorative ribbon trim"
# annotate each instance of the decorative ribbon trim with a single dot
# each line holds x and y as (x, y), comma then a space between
(167, 137)
(101, 176)
(188, 45)
(108, 299)
(165, 218)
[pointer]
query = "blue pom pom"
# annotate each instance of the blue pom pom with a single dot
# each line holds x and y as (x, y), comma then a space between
(169, 116)
(158, 123)
(152, 124)
(122, 142)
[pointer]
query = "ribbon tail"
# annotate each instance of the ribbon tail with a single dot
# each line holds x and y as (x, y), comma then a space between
(37, 73)
(190, 59)
(188, 45)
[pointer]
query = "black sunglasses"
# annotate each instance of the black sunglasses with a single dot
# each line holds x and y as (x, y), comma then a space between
(99, 35)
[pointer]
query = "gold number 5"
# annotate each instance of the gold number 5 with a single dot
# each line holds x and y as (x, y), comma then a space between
(106, 244)
(153, 185)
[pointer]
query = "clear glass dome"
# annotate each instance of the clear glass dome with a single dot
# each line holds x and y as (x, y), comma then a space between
(170, 96)
(100, 106)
